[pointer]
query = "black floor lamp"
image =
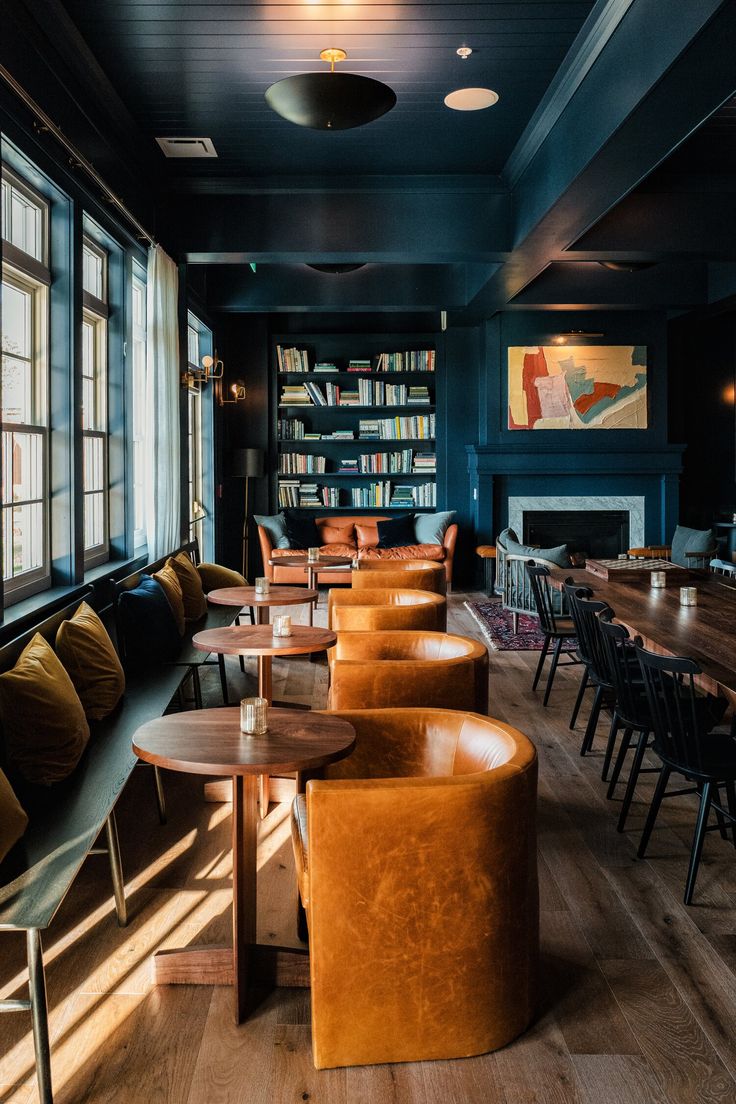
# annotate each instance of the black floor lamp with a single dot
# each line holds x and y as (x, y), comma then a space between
(246, 464)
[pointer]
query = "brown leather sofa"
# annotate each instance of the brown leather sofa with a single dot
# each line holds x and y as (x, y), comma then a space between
(368, 610)
(415, 574)
(370, 670)
(417, 866)
(355, 535)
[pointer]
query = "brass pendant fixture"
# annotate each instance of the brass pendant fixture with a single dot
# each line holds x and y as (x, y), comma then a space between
(330, 101)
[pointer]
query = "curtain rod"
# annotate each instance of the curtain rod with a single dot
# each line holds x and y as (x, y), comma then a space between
(79, 160)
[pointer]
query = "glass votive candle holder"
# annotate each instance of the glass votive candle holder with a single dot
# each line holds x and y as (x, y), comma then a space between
(282, 625)
(623, 556)
(658, 579)
(313, 555)
(263, 585)
(254, 716)
(688, 596)
(355, 564)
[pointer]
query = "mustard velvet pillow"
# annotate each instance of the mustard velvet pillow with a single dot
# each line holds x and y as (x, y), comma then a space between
(195, 603)
(90, 660)
(171, 587)
(214, 576)
(13, 820)
(43, 721)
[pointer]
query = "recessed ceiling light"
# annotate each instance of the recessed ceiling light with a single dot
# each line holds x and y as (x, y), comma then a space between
(471, 99)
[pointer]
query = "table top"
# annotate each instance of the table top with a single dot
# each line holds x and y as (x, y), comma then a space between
(259, 640)
(247, 596)
(209, 741)
(705, 633)
(302, 561)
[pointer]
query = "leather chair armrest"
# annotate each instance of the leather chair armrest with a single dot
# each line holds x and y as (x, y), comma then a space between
(652, 552)
(266, 551)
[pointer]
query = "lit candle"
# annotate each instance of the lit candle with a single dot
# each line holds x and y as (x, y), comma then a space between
(254, 716)
(282, 625)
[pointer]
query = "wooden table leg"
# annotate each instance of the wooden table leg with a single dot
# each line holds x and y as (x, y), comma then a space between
(265, 681)
(262, 615)
(311, 585)
(245, 844)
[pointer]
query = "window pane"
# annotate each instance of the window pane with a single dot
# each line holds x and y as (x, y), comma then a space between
(22, 221)
(22, 467)
(193, 346)
(94, 521)
(17, 387)
(17, 320)
(23, 539)
(93, 272)
(94, 469)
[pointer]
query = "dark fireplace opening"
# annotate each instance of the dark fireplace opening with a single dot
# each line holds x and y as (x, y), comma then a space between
(594, 534)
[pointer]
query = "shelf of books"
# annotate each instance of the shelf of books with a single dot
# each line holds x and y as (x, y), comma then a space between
(346, 435)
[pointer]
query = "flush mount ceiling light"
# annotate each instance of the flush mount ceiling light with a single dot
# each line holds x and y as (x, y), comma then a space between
(336, 269)
(330, 101)
(471, 99)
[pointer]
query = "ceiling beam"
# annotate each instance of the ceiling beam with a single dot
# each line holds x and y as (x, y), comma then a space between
(653, 83)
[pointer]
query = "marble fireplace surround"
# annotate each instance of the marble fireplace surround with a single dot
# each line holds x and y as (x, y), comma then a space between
(634, 505)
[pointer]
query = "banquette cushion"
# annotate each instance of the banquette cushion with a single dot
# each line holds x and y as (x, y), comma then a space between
(147, 625)
(195, 603)
(13, 820)
(44, 725)
(171, 587)
(214, 576)
(89, 657)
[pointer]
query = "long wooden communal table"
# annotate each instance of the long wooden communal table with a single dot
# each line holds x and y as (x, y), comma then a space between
(705, 633)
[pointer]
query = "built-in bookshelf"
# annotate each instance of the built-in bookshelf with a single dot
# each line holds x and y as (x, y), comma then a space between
(355, 422)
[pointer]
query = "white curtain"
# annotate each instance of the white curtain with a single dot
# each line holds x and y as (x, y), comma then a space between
(162, 437)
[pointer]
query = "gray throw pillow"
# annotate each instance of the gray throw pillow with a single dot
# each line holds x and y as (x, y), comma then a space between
(275, 526)
(690, 540)
(558, 555)
(431, 528)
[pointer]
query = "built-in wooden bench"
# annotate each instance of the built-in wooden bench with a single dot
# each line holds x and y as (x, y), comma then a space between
(66, 821)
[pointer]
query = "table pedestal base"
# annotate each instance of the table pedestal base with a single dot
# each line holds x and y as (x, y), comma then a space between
(287, 967)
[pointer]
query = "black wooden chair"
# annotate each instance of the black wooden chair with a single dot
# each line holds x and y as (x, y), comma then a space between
(584, 609)
(631, 710)
(553, 626)
(684, 740)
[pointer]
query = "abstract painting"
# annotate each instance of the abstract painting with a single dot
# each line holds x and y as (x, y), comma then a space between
(578, 387)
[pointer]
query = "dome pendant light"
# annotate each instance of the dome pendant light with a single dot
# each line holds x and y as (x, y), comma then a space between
(330, 101)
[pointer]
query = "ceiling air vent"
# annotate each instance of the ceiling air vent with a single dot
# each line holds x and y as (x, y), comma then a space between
(187, 147)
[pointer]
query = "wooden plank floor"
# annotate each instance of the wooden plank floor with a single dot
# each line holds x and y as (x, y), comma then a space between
(639, 992)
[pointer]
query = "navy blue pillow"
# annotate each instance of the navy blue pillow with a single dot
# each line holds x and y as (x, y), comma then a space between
(147, 625)
(396, 532)
(302, 532)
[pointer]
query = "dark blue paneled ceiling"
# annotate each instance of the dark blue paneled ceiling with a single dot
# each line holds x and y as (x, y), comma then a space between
(202, 69)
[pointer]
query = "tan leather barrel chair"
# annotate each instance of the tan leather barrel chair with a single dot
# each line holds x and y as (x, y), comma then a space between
(415, 574)
(370, 670)
(384, 608)
(417, 866)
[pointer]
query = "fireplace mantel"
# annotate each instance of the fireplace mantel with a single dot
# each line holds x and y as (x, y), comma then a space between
(497, 473)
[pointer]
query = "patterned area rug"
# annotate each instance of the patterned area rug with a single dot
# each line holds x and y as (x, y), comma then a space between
(496, 624)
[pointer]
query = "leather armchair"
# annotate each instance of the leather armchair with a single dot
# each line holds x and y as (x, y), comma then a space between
(416, 574)
(373, 670)
(417, 867)
(368, 610)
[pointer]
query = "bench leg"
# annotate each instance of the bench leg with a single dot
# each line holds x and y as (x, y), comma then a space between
(196, 688)
(39, 1014)
(223, 679)
(116, 869)
(160, 796)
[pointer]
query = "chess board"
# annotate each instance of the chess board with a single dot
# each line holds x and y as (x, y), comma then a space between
(624, 571)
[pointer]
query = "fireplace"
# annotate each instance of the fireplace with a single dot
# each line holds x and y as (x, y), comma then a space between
(594, 534)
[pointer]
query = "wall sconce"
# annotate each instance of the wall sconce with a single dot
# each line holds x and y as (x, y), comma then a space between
(236, 390)
(565, 336)
(213, 367)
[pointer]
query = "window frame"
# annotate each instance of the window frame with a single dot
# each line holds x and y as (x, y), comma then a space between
(95, 313)
(31, 276)
(139, 337)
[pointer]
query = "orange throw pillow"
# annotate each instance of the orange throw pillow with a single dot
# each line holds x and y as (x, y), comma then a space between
(367, 535)
(334, 534)
(195, 602)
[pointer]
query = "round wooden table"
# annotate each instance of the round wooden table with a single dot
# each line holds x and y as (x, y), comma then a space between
(240, 596)
(209, 741)
(258, 640)
(312, 568)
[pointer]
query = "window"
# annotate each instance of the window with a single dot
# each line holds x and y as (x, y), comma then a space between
(25, 506)
(139, 405)
(94, 404)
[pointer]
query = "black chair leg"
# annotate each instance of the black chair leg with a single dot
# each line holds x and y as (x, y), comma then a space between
(592, 721)
(731, 795)
(579, 699)
(619, 764)
(223, 678)
(698, 839)
(633, 779)
(542, 657)
(653, 810)
(611, 743)
(553, 669)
